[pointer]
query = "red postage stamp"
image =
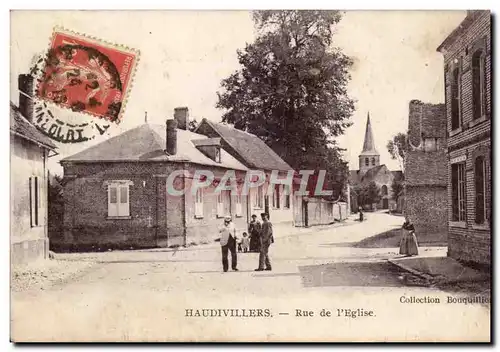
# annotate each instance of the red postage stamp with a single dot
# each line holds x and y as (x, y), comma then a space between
(86, 75)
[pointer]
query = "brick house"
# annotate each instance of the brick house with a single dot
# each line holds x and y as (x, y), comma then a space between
(426, 170)
(370, 170)
(467, 70)
(29, 153)
(115, 193)
(254, 153)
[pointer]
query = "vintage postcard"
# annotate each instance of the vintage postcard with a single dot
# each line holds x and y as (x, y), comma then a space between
(250, 176)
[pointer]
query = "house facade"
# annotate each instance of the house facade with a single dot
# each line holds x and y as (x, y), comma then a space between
(370, 170)
(467, 70)
(426, 170)
(135, 190)
(29, 152)
(251, 151)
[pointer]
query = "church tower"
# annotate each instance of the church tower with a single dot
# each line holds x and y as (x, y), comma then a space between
(369, 157)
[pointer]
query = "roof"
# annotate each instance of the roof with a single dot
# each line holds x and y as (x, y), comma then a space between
(371, 173)
(253, 150)
(21, 127)
(369, 144)
(462, 27)
(147, 143)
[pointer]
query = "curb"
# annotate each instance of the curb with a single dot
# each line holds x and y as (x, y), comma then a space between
(411, 270)
(436, 279)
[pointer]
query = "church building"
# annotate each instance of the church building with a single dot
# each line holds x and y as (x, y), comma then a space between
(369, 170)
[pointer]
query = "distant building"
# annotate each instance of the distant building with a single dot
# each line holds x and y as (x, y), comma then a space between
(29, 152)
(467, 69)
(369, 170)
(425, 169)
(115, 193)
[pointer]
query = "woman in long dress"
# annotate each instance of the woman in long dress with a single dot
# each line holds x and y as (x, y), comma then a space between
(408, 245)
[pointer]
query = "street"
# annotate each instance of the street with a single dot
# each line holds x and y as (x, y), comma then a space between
(156, 295)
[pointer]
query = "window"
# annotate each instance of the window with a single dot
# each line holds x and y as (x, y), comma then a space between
(458, 191)
(34, 184)
(276, 196)
(479, 180)
(258, 197)
(430, 144)
(367, 162)
(478, 84)
(223, 203)
(455, 99)
(118, 199)
(287, 197)
(238, 210)
(373, 161)
(198, 203)
(384, 190)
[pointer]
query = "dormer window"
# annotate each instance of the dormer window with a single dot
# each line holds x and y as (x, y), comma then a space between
(210, 147)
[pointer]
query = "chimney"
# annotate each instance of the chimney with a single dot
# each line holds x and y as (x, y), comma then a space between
(26, 85)
(181, 115)
(171, 137)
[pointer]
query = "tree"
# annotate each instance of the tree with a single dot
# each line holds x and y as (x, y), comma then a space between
(398, 147)
(291, 90)
(367, 193)
(396, 187)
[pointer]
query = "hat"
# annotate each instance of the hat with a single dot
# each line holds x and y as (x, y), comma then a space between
(254, 216)
(227, 218)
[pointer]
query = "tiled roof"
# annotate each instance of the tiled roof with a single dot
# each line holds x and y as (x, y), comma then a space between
(20, 126)
(253, 150)
(147, 143)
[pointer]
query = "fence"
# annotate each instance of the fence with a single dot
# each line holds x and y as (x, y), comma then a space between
(317, 211)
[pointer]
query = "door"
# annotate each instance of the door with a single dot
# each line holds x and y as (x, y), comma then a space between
(385, 203)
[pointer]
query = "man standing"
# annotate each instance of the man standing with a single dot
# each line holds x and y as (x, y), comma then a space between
(254, 229)
(228, 243)
(266, 238)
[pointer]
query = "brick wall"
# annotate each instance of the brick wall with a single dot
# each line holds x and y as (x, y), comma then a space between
(426, 207)
(86, 221)
(467, 240)
(157, 219)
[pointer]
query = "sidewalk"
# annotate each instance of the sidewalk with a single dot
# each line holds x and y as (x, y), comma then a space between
(433, 264)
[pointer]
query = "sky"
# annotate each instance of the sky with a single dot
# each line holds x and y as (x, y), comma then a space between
(184, 55)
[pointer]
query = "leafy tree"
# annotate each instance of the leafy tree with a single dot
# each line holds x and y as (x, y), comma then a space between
(367, 193)
(291, 90)
(397, 147)
(396, 188)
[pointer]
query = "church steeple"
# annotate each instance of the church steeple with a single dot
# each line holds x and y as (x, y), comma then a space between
(369, 145)
(369, 156)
